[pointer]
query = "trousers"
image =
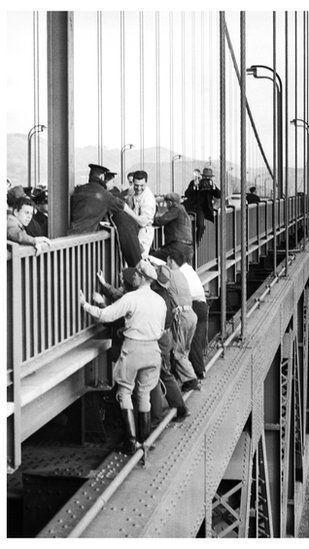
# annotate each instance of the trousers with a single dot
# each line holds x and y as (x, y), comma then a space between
(198, 344)
(138, 364)
(183, 331)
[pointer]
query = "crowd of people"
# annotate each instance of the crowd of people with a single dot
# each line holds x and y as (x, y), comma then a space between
(158, 316)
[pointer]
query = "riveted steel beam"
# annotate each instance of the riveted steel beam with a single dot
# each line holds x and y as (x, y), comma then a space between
(167, 498)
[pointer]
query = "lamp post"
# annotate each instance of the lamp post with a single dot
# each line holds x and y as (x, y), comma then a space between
(253, 71)
(175, 157)
(123, 149)
(35, 129)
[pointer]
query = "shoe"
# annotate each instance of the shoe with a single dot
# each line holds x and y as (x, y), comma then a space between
(190, 385)
(182, 413)
(201, 375)
(130, 444)
(144, 426)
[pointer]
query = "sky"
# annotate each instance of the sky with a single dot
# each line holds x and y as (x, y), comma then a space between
(201, 140)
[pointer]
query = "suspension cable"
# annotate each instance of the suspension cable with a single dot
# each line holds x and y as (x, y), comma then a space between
(243, 171)
(222, 174)
(122, 92)
(275, 141)
(295, 128)
(141, 89)
(203, 114)
(211, 79)
(100, 87)
(247, 104)
(183, 92)
(158, 154)
(305, 130)
(171, 75)
(36, 96)
(193, 86)
(286, 203)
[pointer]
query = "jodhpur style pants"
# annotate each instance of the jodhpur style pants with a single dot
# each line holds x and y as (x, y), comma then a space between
(198, 344)
(139, 362)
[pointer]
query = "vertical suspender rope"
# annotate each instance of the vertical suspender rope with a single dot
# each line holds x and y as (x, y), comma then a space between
(243, 171)
(183, 93)
(222, 174)
(38, 96)
(157, 46)
(305, 131)
(274, 145)
(203, 98)
(212, 81)
(286, 203)
(295, 128)
(100, 87)
(193, 87)
(141, 90)
(36, 93)
(122, 92)
(171, 69)
(307, 109)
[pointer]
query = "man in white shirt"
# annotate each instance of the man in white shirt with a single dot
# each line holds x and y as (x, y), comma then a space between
(143, 204)
(144, 312)
(199, 306)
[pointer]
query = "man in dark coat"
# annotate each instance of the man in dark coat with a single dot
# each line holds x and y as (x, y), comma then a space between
(92, 202)
(177, 229)
(38, 225)
(252, 197)
(199, 198)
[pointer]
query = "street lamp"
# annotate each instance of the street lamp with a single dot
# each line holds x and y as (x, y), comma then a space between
(253, 70)
(175, 157)
(35, 129)
(123, 149)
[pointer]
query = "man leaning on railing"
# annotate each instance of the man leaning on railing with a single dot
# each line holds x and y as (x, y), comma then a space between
(18, 220)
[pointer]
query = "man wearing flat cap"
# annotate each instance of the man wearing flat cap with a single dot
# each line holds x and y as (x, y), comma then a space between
(200, 195)
(92, 202)
(177, 229)
(140, 359)
(38, 225)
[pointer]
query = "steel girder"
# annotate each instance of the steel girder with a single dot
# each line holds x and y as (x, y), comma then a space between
(169, 498)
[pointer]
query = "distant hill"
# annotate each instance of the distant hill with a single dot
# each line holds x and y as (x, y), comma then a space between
(17, 170)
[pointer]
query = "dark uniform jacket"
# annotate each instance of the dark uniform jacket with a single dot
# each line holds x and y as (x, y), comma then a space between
(177, 225)
(89, 205)
(38, 225)
(201, 199)
(253, 198)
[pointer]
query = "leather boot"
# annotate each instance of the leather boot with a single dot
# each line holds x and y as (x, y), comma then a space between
(144, 425)
(130, 445)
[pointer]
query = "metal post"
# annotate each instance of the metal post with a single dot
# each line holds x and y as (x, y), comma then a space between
(275, 97)
(243, 170)
(222, 175)
(286, 203)
(60, 82)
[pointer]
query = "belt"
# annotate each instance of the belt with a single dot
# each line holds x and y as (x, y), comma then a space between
(188, 242)
(141, 340)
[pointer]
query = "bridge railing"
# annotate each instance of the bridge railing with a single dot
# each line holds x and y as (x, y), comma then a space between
(44, 316)
(259, 225)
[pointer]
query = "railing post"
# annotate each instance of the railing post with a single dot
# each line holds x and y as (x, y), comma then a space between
(15, 461)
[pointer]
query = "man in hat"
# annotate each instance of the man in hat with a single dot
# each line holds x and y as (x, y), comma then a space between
(92, 202)
(173, 394)
(177, 229)
(184, 322)
(200, 195)
(252, 197)
(38, 225)
(140, 358)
